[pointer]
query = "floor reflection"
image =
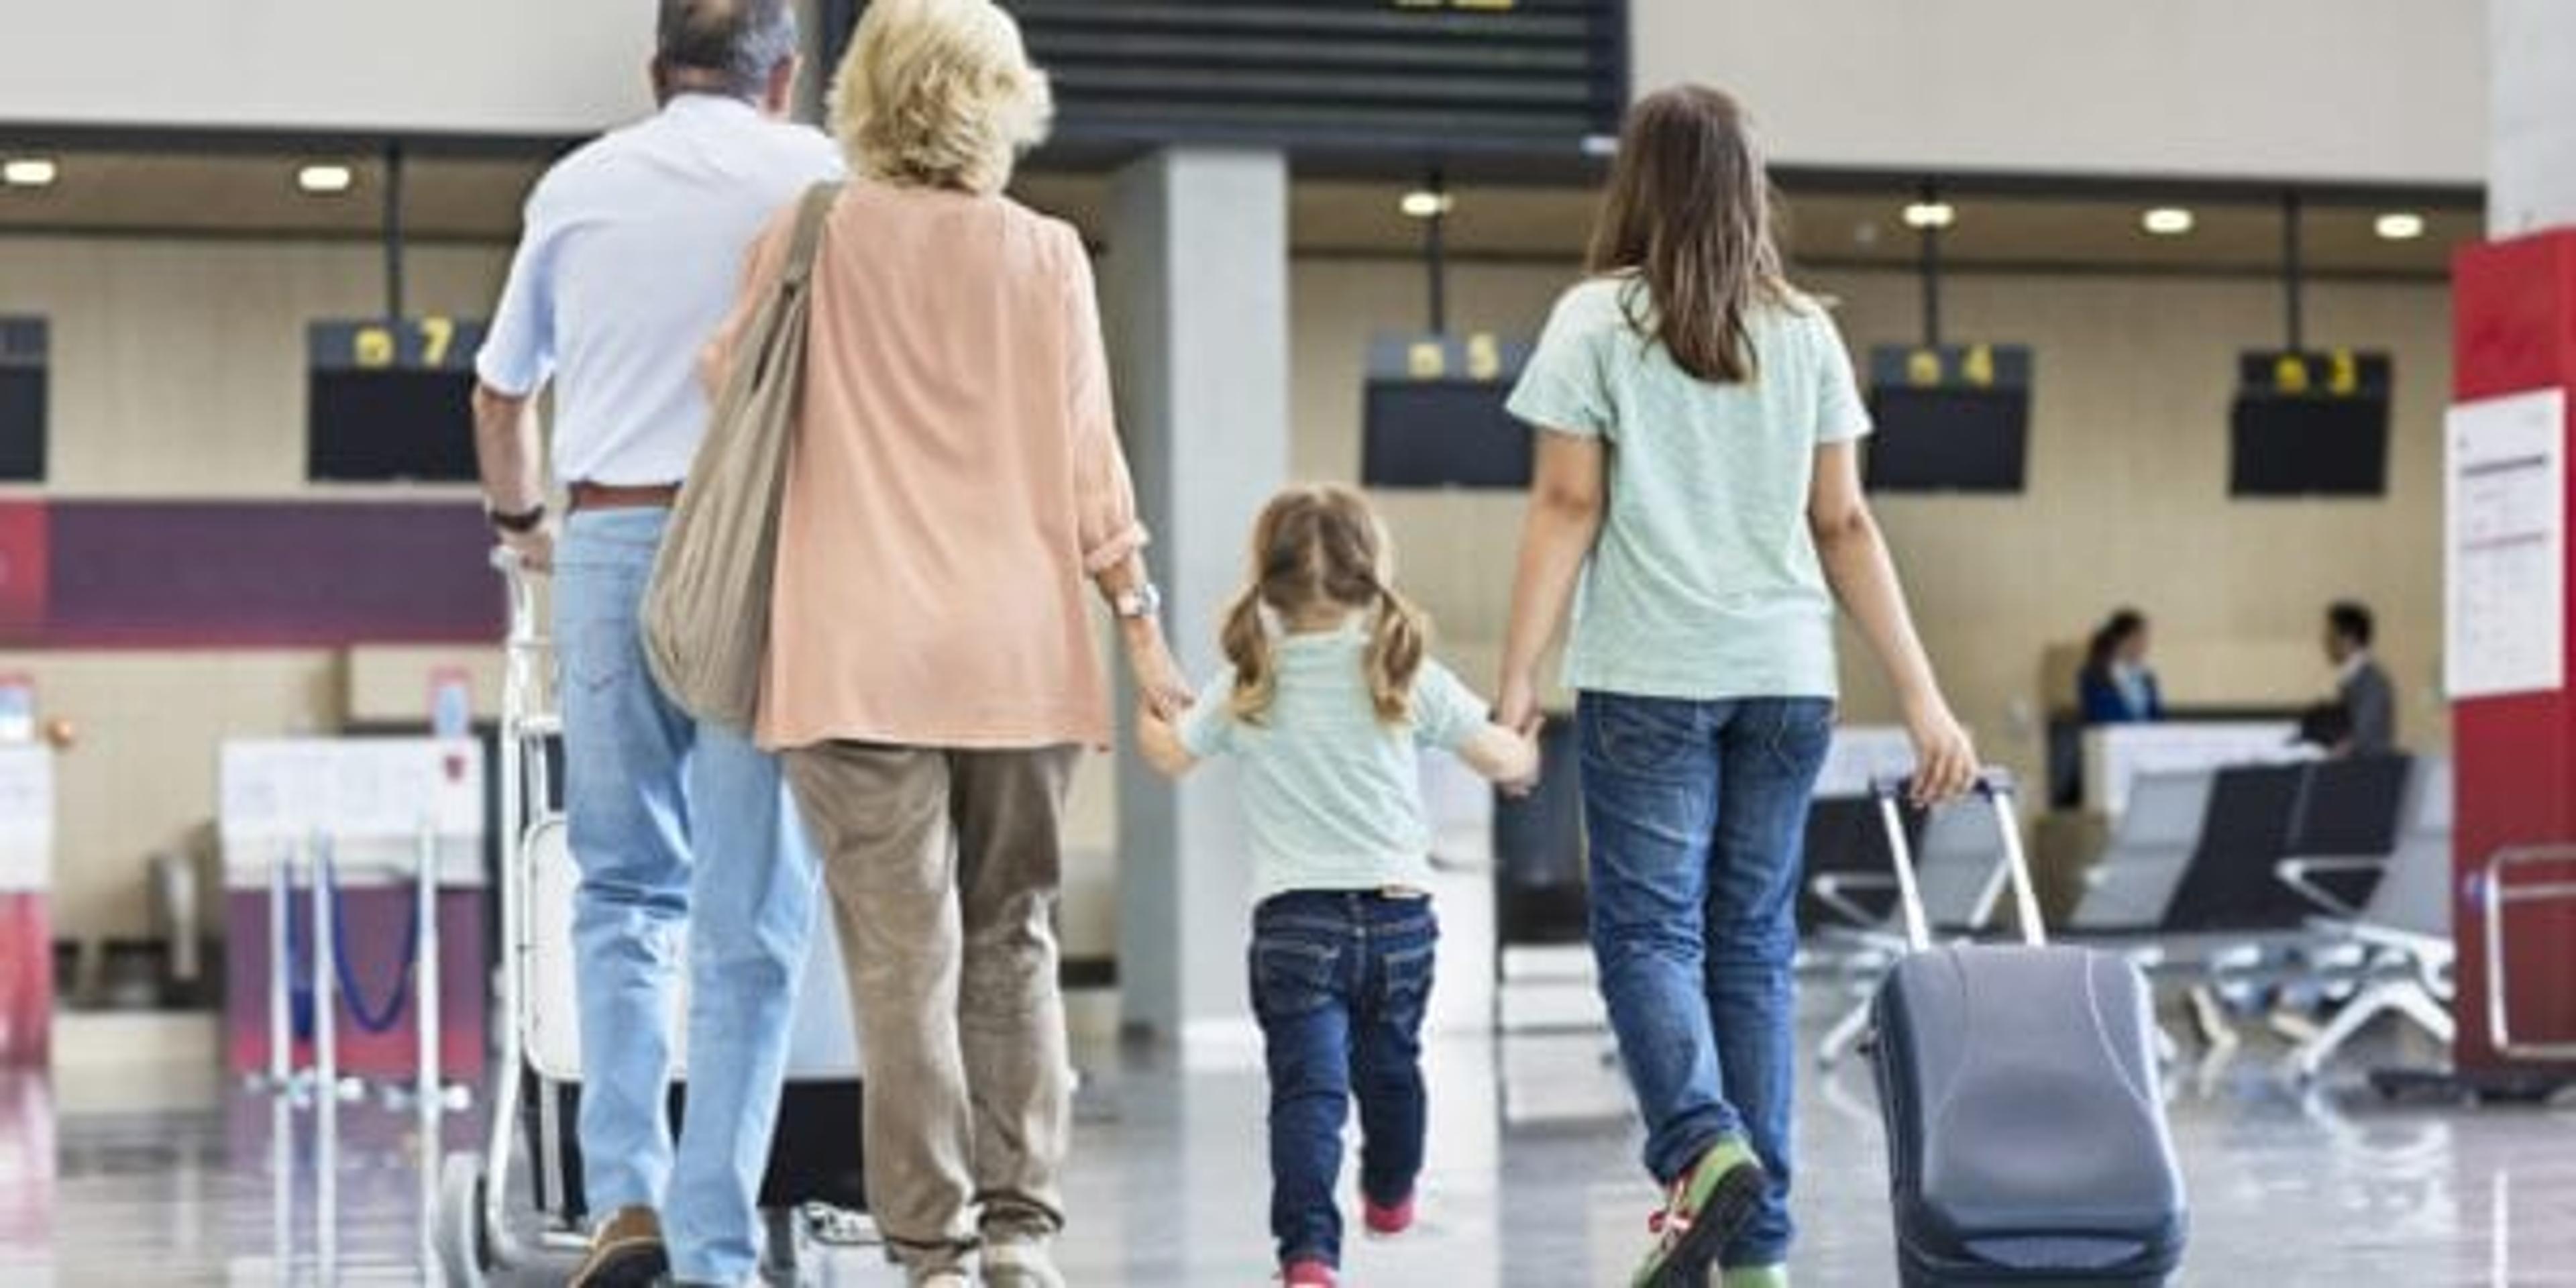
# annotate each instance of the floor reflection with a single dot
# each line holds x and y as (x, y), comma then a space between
(1533, 1183)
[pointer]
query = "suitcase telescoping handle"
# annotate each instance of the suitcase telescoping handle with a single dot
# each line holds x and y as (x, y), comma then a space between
(1995, 787)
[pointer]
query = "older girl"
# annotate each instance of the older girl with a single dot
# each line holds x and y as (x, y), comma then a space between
(1697, 471)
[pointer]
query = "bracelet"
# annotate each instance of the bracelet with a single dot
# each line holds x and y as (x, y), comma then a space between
(524, 522)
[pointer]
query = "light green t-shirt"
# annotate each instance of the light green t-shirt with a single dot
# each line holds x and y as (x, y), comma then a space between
(1332, 796)
(1704, 583)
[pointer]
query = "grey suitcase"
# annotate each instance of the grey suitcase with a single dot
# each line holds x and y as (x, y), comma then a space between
(2026, 1132)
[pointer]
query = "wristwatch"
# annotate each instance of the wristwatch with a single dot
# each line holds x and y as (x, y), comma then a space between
(519, 524)
(1139, 603)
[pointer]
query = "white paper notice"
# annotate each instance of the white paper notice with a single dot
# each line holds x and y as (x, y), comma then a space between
(2505, 559)
(26, 818)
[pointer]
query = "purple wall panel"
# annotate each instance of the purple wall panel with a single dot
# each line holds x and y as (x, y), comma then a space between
(249, 573)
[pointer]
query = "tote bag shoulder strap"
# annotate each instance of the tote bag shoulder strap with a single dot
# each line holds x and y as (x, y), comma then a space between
(809, 232)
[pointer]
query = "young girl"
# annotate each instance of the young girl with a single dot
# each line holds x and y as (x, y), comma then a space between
(1328, 698)
(1697, 475)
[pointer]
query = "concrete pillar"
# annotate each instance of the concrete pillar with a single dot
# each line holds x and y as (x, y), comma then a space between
(2531, 146)
(1195, 286)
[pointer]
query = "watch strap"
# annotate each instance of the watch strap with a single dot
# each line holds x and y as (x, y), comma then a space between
(523, 522)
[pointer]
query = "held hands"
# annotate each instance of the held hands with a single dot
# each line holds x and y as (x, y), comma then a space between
(1945, 761)
(1516, 708)
(1527, 754)
(1161, 689)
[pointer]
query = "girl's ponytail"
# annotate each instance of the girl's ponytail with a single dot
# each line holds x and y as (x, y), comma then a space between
(1246, 641)
(1397, 645)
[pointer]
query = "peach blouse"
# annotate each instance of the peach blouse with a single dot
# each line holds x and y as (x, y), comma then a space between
(955, 479)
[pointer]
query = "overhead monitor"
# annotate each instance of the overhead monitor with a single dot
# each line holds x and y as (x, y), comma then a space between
(391, 401)
(1432, 415)
(24, 399)
(2310, 424)
(1951, 418)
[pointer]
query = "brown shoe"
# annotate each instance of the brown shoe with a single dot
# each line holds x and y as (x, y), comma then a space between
(625, 1252)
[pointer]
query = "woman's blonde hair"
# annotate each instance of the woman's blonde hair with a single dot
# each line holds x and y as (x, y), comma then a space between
(1319, 548)
(939, 94)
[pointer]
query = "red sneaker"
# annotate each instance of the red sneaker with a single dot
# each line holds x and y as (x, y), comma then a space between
(1307, 1274)
(1391, 1220)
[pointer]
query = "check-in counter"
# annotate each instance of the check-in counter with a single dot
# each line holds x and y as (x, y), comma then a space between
(2114, 755)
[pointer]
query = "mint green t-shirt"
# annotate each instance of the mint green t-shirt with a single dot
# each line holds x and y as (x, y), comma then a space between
(1704, 583)
(1332, 796)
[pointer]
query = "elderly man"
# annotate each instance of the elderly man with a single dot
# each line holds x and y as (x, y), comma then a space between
(632, 251)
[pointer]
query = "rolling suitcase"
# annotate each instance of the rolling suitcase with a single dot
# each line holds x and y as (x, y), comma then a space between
(2026, 1132)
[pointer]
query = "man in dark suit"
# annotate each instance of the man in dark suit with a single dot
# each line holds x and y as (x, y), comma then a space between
(2362, 687)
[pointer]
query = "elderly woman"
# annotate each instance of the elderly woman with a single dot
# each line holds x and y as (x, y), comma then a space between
(933, 673)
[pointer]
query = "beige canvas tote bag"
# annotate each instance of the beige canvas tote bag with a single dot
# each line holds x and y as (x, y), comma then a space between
(706, 611)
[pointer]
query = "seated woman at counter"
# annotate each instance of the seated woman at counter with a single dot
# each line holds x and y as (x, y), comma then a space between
(2115, 686)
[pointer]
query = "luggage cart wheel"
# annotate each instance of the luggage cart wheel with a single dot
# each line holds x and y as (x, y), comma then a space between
(464, 1246)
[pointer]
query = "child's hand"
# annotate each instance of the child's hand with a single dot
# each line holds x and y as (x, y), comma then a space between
(1160, 742)
(1525, 756)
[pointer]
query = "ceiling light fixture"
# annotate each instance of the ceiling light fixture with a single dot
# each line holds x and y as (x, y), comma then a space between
(2398, 225)
(1423, 203)
(325, 180)
(2167, 221)
(30, 172)
(1931, 214)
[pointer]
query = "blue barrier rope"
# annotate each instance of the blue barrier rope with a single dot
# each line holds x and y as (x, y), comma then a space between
(299, 974)
(368, 1019)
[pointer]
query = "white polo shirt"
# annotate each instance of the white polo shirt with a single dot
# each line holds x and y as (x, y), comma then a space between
(631, 256)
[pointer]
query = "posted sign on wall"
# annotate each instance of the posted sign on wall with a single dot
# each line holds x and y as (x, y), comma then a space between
(2505, 558)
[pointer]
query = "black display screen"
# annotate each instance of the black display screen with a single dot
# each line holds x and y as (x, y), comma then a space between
(2310, 423)
(1443, 434)
(22, 424)
(1947, 439)
(391, 425)
(2291, 445)
(391, 400)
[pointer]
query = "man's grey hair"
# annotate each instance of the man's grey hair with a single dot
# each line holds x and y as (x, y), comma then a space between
(730, 45)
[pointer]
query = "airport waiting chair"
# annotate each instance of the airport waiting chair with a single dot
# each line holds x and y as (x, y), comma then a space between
(2404, 927)
(2132, 886)
(2229, 886)
(1960, 868)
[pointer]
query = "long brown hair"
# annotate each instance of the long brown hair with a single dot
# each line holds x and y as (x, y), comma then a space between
(1689, 212)
(1318, 548)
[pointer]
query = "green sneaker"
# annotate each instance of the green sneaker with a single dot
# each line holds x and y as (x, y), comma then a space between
(1756, 1277)
(1707, 1206)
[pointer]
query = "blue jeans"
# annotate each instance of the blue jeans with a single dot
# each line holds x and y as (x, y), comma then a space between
(1340, 980)
(676, 827)
(1696, 813)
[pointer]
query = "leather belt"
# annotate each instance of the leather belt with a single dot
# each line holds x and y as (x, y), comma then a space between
(621, 496)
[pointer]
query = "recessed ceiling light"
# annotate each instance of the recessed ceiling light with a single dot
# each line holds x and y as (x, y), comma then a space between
(2398, 225)
(325, 180)
(1931, 214)
(2167, 221)
(29, 172)
(1422, 203)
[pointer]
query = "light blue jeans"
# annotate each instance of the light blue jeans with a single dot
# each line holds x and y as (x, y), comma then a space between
(677, 827)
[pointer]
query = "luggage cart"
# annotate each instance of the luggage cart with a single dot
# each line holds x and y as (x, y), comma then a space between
(815, 1186)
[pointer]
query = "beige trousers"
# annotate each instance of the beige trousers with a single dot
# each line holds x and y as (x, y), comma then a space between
(944, 869)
